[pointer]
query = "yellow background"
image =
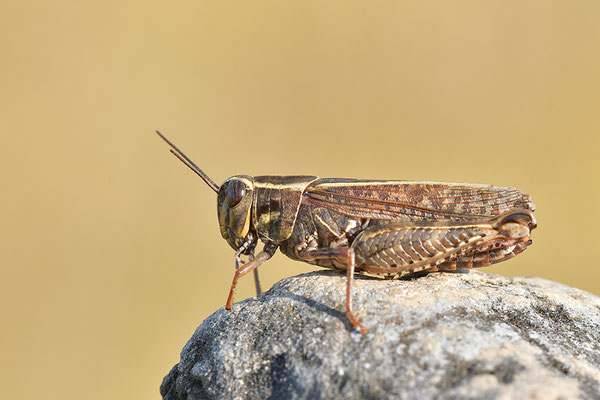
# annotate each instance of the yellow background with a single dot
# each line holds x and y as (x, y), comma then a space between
(111, 254)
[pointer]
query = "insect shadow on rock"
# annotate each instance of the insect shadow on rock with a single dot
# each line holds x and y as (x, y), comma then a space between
(383, 227)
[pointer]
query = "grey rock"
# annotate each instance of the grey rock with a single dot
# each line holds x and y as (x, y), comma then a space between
(442, 336)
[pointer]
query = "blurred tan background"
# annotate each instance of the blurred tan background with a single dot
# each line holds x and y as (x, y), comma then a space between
(111, 253)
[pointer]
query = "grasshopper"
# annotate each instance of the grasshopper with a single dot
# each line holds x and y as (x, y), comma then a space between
(382, 227)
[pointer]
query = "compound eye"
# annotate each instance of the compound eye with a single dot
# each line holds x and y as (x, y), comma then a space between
(235, 192)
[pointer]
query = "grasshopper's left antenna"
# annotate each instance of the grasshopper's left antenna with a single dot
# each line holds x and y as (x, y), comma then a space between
(184, 159)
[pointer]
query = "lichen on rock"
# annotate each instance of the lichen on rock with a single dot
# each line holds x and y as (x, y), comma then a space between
(445, 335)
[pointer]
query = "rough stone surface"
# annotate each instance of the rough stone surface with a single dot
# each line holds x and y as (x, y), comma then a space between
(445, 335)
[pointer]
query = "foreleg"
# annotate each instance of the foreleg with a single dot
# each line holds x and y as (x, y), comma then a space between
(250, 266)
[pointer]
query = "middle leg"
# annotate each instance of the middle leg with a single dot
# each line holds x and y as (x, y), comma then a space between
(346, 254)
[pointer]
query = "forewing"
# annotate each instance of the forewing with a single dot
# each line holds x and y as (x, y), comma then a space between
(413, 199)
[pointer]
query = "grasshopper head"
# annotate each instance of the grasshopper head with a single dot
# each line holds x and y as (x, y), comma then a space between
(234, 203)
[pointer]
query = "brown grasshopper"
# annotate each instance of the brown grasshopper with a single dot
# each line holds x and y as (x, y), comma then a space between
(389, 228)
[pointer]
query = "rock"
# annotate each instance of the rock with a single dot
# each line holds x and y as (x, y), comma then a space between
(445, 335)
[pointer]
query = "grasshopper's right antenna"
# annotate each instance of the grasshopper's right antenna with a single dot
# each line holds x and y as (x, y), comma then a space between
(184, 159)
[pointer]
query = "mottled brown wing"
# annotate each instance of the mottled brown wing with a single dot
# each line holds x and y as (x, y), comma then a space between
(414, 200)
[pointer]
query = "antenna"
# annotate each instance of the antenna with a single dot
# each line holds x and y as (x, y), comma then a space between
(184, 159)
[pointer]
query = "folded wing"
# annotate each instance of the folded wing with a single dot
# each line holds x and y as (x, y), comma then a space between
(414, 200)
